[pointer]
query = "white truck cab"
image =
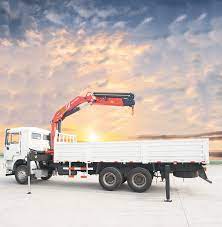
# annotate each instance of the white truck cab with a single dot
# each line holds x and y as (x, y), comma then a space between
(18, 142)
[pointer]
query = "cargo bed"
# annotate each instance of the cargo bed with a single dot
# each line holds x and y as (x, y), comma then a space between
(145, 151)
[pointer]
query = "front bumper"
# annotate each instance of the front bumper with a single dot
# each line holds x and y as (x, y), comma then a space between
(7, 166)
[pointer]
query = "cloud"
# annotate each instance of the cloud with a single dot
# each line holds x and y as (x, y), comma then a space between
(119, 24)
(147, 20)
(5, 43)
(53, 17)
(107, 12)
(202, 16)
(101, 25)
(180, 18)
(88, 10)
(178, 25)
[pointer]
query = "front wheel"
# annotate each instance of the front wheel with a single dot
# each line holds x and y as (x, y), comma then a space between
(21, 174)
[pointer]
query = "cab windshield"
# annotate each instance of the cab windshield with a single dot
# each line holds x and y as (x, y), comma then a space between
(12, 138)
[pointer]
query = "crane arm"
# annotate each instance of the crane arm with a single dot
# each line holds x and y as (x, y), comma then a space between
(96, 98)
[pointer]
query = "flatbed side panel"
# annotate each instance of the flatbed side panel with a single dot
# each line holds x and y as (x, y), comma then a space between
(187, 150)
(196, 150)
(96, 152)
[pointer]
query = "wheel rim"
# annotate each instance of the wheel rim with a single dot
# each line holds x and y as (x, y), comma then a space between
(109, 179)
(139, 180)
(22, 175)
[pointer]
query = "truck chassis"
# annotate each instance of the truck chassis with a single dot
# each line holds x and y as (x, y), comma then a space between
(111, 175)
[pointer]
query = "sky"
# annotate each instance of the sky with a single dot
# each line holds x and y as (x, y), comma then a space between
(168, 53)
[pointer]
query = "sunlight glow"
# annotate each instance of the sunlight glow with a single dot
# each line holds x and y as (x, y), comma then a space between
(93, 137)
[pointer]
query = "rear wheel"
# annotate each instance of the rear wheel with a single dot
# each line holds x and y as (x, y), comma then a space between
(139, 179)
(21, 174)
(110, 178)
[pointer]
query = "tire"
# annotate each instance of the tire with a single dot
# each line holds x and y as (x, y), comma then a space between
(139, 179)
(21, 174)
(48, 177)
(110, 178)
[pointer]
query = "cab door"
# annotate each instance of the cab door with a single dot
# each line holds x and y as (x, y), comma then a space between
(12, 145)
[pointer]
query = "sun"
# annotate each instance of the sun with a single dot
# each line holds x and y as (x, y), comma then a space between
(93, 137)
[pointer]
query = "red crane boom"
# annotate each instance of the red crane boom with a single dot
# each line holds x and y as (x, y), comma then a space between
(96, 98)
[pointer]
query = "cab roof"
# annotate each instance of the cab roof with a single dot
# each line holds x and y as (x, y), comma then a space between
(31, 129)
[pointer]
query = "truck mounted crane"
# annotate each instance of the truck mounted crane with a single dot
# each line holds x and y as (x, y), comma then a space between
(96, 98)
(31, 152)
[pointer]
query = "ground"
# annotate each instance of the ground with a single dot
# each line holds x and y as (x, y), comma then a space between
(82, 202)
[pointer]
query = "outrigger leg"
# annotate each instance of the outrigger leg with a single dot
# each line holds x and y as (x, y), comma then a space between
(167, 183)
(29, 173)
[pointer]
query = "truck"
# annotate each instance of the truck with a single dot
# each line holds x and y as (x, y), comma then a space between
(35, 153)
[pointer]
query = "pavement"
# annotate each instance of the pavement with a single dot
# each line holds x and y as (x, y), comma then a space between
(77, 202)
